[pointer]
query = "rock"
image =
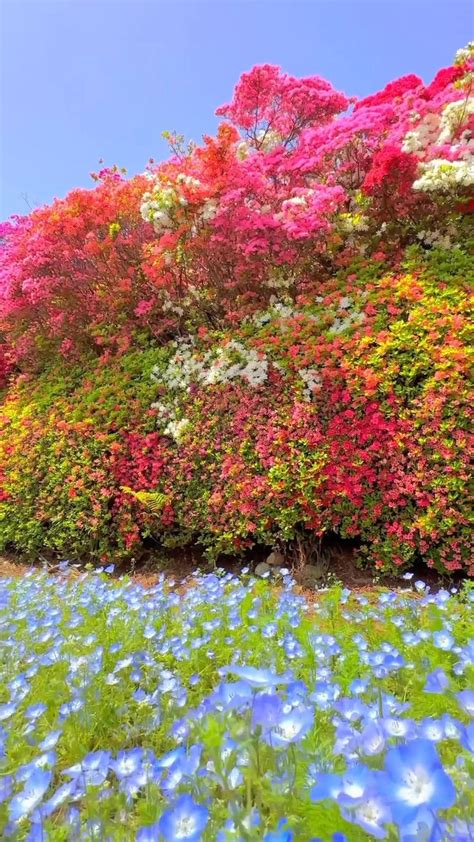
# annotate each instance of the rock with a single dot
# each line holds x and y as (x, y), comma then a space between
(262, 568)
(312, 574)
(276, 559)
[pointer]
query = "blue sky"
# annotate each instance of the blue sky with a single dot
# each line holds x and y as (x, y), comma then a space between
(89, 79)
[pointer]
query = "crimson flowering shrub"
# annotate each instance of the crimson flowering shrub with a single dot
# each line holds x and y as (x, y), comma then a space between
(264, 335)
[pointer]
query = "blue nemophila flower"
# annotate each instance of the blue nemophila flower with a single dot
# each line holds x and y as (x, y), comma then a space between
(452, 727)
(443, 640)
(24, 802)
(169, 759)
(355, 783)
(233, 695)
(325, 693)
(148, 834)
(401, 728)
(437, 681)
(359, 686)
(7, 710)
(467, 737)
(327, 786)
(291, 727)
(37, 833)
(466, 700)
(50, 741)
(93, 769)
(372, 739)
(371, 813)
(267, 709)
(423, 828)
(45, 760)
(350, 709)
(258, 678)
(184, 821)
(415, 779)
(432, 729)
(6, 787)
(128, 762)
(68, 791)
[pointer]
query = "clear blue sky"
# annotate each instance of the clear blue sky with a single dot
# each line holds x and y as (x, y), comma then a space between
(89, 79)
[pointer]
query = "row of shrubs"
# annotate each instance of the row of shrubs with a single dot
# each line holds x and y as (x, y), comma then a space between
(349, 414)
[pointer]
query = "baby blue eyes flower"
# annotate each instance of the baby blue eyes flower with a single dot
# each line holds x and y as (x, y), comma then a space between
(184, 821)
(466, 700)
(467, 737)
(436, 682)
(127, 762)
(6, 787)
(415, 779)
(443, 640)
(234, 694)
(291, 727)
(35, 711)
(258, 678)
(421, 828)
(432, 729)
(372, 739)
(371, 813)
(24, 802)
(266, 710)
(93, 769)
(50, 741)
(327, 786)
(7, 710)
(148, 834)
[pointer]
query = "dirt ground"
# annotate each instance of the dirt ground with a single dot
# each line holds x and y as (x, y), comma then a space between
(181, 564)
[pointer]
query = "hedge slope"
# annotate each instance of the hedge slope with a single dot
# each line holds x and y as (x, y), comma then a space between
(264, 336)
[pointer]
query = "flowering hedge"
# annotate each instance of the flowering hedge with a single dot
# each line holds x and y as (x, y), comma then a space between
(262, 337)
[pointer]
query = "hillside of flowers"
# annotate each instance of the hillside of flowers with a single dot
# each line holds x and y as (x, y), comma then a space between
(263, 340)
(233, 711)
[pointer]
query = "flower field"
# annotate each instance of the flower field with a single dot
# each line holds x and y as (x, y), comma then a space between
(231, 709)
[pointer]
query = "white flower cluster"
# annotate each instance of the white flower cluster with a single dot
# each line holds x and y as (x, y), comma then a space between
(465, 53)
(242, 150)
(302, 200)
(440, 175)
(170, 420)
(277, 309)
(312, 381)
(426, 134)
(438, 238)
(453, 116)
(279, 280)
(267, 140)
(177, 428)
(169, 306)
(351, 317)
(185, 368)
(219, 365)
(353, 222)
(159, 205)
